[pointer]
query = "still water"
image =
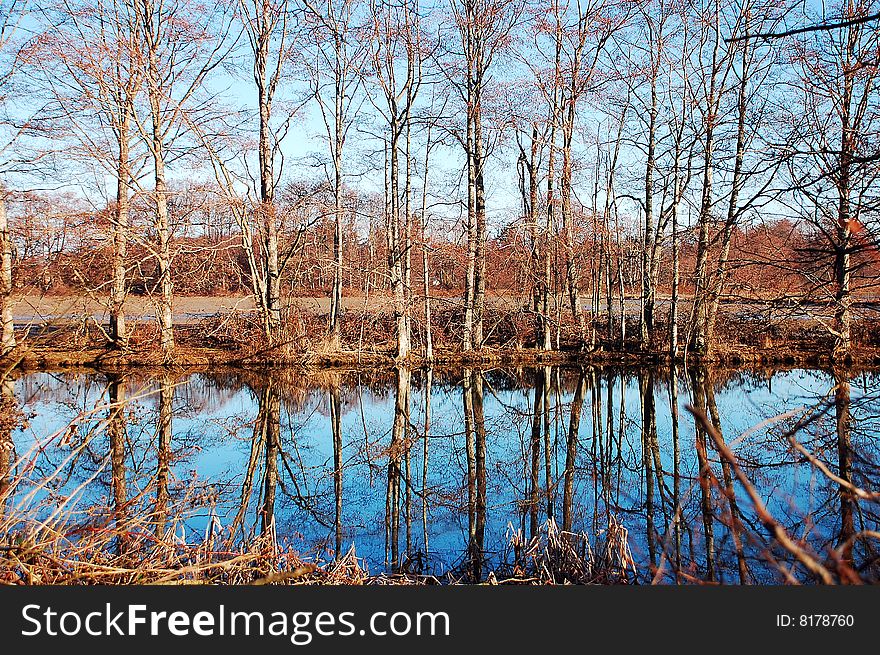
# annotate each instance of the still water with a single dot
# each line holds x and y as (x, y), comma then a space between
(447, 472)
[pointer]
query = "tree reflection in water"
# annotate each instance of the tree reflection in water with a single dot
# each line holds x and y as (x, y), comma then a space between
(433, 471)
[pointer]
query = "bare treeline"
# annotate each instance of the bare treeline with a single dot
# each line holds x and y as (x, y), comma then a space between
(623, 169)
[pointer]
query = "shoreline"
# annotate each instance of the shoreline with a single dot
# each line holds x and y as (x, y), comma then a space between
(46, 357)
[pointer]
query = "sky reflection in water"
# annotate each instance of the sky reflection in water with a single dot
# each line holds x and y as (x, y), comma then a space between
(432, 505)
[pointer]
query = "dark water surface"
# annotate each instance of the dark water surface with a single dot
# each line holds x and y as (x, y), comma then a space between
(337, 460)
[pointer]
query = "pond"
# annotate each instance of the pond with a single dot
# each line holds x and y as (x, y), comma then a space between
(455, 472)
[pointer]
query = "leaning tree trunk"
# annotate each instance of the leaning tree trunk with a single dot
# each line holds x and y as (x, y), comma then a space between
(701, 307)
(732, 205)
(701, 270)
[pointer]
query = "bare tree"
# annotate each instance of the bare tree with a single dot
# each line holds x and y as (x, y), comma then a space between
(180, 47)
(583, 30)
(333, 60)
(832, 165)
(729, 96)
(397, 49)
(7, 326)
(483, 29)
(266, 25)
(11, 13)
(92, 65)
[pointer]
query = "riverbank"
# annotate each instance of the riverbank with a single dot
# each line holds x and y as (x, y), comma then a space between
(233, 337)
(48, 356)
(128, 554)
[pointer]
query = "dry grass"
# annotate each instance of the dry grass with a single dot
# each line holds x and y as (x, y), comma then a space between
(107, 556)
(556, 556)
(51, 534)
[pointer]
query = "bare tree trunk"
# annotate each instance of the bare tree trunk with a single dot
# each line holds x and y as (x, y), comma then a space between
(162, 221)
(621, 286)
(735, 526)
(268, 221)
(270, 410)
(574, 423)
(406, 245)
(336, 426)
(429, 378)
(571, 273)
(621, 290)
(396, 245)
(472, 232)
(480, 210)
(843, 420)
(163, 453)
(163, 256)
(535, 452)
(426, 292)
(273, 272)
(698, 383)
(549, 227)
(609, 285)
(475, 440)
(7, 326)
(426, 282)
(337, 57)
(119, 235)
(676, 470)
(529, 192)
(116, 433)
(676, 279)
(843, 231)
(733, 201)
(646, 323)
(265, 91)
(396, 452)
(338, 163)
(702, 299)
